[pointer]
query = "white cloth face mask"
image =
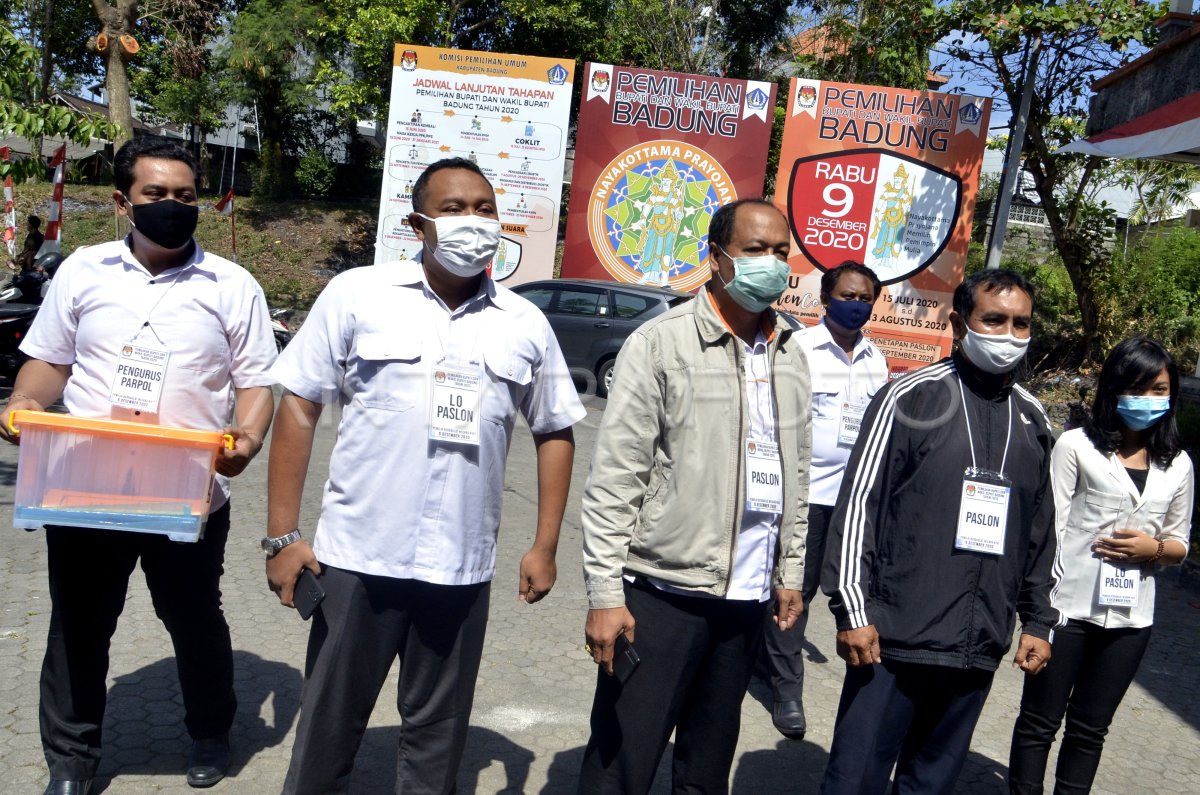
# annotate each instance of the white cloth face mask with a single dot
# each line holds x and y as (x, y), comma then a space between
(466, 244)
(994, 353)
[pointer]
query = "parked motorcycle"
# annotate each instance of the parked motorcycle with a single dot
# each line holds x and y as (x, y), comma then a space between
(15, 318)
(279, 327)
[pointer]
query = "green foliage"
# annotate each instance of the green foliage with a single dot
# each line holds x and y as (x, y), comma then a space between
(878, 42)
(989, 43)
(777, 122)
(19, 116)
(169, 98)
(269, 57)
(1161, 188)
(62, 35)
(1155, 291)
(315, 175)
(359, 37)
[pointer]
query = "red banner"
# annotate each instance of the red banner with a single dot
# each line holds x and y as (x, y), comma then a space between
(886, 177)
(657, 153)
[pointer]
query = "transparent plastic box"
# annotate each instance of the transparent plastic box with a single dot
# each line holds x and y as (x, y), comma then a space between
(113, 475)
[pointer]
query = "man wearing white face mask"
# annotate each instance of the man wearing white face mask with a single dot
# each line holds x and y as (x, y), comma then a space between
(430, 362)
(695, 514)
(942, 531)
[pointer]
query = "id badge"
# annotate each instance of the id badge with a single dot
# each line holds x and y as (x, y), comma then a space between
(982, 512)
(1118, 585)
(764, 477)
(454, 401)
(850, 422)
(141, 373)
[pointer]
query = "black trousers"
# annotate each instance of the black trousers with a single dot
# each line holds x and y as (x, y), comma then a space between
(89, 577)
(359, 629)
(1086, 679)
(918, 717)
(697, 655)
(784, 649)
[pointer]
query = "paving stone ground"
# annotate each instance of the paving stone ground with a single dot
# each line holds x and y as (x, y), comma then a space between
(530, 721)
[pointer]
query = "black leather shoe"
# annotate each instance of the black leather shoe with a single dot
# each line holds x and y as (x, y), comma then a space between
(208, 761)
(788, 717)
(62, 786)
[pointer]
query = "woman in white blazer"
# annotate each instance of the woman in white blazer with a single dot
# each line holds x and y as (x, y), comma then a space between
(1123, 490)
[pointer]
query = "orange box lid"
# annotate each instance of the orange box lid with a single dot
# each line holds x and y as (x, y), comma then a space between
(134, 431)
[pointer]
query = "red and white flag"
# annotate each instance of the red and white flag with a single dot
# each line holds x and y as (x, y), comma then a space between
(54, 226)
(10, 209)
(225, 206)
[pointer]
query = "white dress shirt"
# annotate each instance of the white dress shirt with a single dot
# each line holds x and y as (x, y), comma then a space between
(836, 380)
(209, 313)
(1093, 496)
(397, 504)
(754, 558)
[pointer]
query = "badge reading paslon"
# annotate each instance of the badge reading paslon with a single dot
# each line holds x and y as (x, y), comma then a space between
(141, 373)
(1118, 585)
(454, 406)
(764, 477)
(982, 515)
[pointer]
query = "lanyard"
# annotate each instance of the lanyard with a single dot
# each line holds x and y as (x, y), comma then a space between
(971, 438)
(150, 314)
(755, 383)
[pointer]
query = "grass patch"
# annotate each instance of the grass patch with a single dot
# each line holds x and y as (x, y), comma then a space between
(293, 248)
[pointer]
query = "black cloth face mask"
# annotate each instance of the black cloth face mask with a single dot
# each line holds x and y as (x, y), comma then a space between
(167, 223)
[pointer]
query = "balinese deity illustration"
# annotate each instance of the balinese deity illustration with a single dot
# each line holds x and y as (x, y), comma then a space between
(891, 215)
(662, 216)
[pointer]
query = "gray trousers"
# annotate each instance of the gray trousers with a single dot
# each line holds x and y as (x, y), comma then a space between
(784, 650)
(360, 628)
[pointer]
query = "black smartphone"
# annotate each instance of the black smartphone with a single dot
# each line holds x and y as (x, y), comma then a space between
(625, 659)
(308, 594)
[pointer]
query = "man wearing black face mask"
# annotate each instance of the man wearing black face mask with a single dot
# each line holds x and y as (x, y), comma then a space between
(156, 302)
(942, 533)
(847, 370)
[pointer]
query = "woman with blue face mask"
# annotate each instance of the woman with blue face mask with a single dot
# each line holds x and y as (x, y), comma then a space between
(1123, 491)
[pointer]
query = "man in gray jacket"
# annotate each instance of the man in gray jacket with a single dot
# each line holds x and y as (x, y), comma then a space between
(695, 513)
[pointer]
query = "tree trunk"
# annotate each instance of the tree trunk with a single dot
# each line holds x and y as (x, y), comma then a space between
(116, 81)
(116, 22)
(1081, 270)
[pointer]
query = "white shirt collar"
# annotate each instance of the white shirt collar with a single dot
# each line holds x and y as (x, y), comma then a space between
(125, 254)
(862, 347)
(411, 273)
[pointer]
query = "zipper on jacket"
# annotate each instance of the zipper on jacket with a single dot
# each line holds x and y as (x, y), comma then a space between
(739, 455)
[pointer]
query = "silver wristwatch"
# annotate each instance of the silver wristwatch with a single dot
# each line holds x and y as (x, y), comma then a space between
(272, 546)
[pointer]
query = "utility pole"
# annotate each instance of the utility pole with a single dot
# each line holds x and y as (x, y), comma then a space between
(1012, 160)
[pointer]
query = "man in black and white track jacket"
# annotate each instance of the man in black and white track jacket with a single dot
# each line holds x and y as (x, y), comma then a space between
(943, 529)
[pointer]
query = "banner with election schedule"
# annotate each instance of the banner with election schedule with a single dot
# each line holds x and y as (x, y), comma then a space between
(656, 154)
(886, 177)
(506, 113)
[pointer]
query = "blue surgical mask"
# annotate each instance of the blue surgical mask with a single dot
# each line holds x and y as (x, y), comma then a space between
(850, 315)
(757, 281)
(1139, 412)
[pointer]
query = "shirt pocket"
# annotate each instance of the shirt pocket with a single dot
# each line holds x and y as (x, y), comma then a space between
(510, 375)
(827, 405)
(1151, 515)
(389, 370)
(1098, 513)
(196, 344)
